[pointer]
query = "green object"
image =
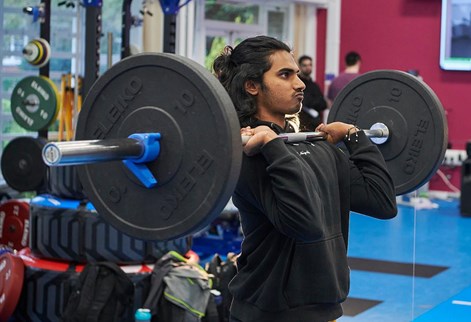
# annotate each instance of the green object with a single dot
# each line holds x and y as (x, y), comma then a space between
(34, 103)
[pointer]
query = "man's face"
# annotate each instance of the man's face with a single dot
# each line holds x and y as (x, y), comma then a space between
(306, 67)
(282, 92)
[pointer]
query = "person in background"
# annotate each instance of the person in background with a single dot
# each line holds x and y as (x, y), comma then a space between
(314, 103)
(352, 70)
(294, 199)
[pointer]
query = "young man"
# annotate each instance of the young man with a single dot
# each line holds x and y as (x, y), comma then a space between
(314, 103)
(294, 199)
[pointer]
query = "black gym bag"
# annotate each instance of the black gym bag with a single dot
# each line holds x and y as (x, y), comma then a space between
(103, 293)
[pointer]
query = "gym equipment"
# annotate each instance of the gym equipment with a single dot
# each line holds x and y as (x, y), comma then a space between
(465, 196)
(37, 12)
(14, 224)
(68, 108)
(172, 6)
(199, 140)
(63, 182)
(72, 230)
(37, 52)
(418, 139)
(197, 179)
(47, 286)
(22, 165)
(35, 103)
(93, 32)
(92, 3)
(11, 281)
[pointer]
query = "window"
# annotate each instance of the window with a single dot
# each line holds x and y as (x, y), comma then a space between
(229, 22)
(229, 12)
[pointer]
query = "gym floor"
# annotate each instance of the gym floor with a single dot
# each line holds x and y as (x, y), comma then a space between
(415, 267)
(387, 286)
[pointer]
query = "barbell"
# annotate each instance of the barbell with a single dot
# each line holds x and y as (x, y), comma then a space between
(159, 150)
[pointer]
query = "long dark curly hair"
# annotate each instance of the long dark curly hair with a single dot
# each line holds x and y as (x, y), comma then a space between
(248, 61)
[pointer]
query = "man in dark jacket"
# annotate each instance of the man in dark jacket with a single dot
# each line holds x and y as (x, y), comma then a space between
(314, 103)
(294, 199)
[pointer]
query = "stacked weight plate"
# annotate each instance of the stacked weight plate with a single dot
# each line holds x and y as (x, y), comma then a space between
(14, 236)
(71, 230)
(65, 233)
(34, 106)
(48, 284)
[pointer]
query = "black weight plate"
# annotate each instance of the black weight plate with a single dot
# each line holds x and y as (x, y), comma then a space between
(71, 230)
(48, 285)
(412, 112)
(65, 183)
(201, 149)
(22, 165)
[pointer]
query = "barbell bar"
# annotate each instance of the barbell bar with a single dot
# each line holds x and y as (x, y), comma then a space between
(92, 151)
(200, 147)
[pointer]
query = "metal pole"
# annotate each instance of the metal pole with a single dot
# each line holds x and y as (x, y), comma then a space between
(378, 133)
(110, 50)
(92, 151)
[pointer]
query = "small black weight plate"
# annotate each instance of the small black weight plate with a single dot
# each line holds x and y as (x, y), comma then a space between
(22, 165)
(412, 112)
(34, 103)
(201, 148)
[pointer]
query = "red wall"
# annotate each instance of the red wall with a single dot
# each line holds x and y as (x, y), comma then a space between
(403, 35)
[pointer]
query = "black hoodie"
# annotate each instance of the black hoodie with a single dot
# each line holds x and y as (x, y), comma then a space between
(294, 202)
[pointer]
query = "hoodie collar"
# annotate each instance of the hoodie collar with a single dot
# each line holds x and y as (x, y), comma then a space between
(253, 122)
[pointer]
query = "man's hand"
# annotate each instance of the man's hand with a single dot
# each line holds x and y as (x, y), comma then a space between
(258, 137)
(335, 131)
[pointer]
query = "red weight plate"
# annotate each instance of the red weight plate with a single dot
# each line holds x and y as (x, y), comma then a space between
(11, 283)
(14, 224)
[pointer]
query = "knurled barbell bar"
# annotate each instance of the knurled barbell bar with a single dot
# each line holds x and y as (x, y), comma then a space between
(141, 148)
(177, 132)
(138, 147)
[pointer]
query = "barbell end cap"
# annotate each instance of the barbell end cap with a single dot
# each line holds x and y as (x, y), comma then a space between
(384, 133)
(51, 155)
